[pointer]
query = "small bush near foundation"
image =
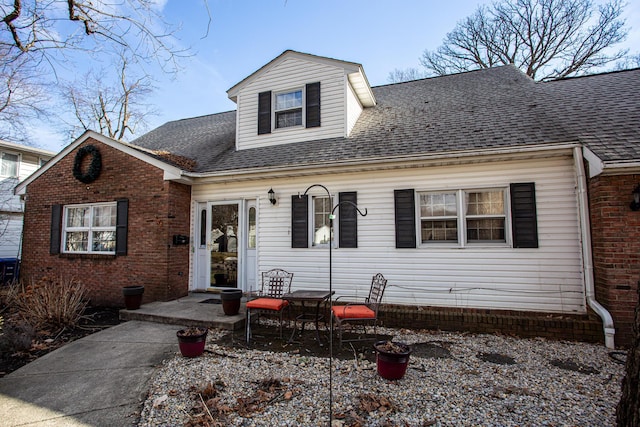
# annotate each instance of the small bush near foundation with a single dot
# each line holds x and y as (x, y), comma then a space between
(16, 337)
(52, 302)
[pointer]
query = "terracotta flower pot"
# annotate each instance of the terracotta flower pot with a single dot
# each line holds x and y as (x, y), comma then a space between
(191, 341)
(392, 359)
(132, 296)
(231, 301)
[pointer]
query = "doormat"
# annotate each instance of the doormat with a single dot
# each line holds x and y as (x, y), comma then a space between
(211, 301)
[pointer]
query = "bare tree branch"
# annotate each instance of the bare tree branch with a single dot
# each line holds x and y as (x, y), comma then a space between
(41, 38)
(546, 39)
(113, 110)
(397, 75)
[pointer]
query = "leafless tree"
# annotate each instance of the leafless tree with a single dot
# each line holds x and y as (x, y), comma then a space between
(398, 75)
(41, 38)
(116, 110)
(21, 97)
(546, 39)
(44, 28)
(632, 61)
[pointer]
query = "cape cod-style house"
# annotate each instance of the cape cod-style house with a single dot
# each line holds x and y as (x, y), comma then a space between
(493, 202)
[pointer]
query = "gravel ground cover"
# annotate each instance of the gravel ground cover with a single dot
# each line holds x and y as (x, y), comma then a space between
(453, 379)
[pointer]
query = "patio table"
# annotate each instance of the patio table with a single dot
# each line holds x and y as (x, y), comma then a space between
(308, 314)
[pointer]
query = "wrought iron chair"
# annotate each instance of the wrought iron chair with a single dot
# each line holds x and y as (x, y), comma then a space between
(362, 314)
(275, 283)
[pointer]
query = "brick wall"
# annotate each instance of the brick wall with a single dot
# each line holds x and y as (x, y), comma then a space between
(158, 209)
(586, 327)
(616, 249)
(573, 327)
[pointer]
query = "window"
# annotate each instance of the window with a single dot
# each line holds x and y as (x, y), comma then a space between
(481, 218)
(439, 217)
(90, 228)
(288, 109)
(321, 210)
(252, 228)
(9, 165)
(485, 216)
(310, 222)
(467, 217)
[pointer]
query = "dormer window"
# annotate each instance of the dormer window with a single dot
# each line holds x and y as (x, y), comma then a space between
(288, 109)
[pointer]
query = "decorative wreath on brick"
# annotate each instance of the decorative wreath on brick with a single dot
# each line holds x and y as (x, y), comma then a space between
(93, 172)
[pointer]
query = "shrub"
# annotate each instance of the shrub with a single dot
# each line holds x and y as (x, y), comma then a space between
(52, 302)
(16, 337)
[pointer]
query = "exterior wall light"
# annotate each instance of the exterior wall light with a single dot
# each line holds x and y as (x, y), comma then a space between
(272, 196)
(635, 205)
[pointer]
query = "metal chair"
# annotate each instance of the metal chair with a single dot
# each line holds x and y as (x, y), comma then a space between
(362, 314)
(275, 283)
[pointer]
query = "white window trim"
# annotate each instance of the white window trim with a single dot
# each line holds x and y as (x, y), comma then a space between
(89, 229)
(311, 222)
(18, 162)
(274, 112)
(462, 217)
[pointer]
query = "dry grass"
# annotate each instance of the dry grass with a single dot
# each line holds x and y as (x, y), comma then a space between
(53, 302)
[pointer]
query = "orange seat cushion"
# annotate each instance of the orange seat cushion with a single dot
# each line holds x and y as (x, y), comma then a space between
(275, 304)
(353, 312)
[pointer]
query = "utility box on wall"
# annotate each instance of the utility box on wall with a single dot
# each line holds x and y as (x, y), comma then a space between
(179, 239)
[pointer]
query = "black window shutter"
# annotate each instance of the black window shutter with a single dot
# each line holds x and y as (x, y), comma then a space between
(523, 215)
(299, 221)
(122, 226)
(348, 221)
(313, 105)
(405, 212)
(264, 112)
(56, 223)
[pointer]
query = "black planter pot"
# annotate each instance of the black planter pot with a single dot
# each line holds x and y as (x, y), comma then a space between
(132, 296)
(231, 301)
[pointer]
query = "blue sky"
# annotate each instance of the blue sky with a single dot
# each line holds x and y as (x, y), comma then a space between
(243, 35)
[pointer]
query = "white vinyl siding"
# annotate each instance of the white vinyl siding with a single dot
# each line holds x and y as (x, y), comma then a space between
(547, 279)
(11, 207)
(10, 234)
(285, 76)
(354, 108)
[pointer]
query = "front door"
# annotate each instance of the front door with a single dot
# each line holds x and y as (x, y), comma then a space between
(224, 241)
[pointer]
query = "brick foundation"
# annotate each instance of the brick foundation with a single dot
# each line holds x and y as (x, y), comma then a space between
(570, 327)
(158, 209)
(586, 327)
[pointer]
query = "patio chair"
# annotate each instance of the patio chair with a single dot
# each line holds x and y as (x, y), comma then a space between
(275, 283)
(363, 314)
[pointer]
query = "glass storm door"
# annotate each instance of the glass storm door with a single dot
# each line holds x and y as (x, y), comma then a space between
(223, 242)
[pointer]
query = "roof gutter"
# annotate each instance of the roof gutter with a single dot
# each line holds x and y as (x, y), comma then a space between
(585, 227)
(378, 163)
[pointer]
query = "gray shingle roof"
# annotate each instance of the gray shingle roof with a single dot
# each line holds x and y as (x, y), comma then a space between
(493, 108)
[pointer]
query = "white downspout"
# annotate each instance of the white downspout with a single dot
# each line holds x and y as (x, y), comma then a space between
(585, 227)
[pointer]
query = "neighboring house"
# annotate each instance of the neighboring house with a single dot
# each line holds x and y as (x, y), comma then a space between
(16, 163)
(480, 190)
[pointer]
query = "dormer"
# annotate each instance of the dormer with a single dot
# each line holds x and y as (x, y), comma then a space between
(299, 97)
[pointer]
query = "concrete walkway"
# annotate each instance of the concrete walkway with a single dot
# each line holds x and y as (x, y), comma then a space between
(99, 380)
(102, 379)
